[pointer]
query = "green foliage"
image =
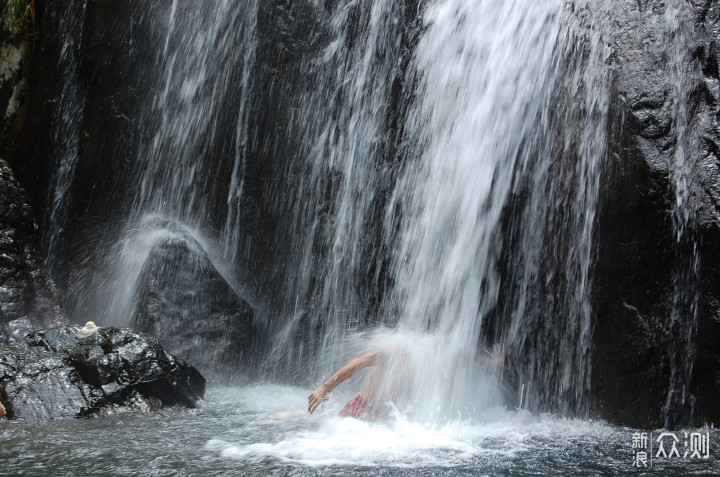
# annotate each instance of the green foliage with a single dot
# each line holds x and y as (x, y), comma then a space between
(21, 15)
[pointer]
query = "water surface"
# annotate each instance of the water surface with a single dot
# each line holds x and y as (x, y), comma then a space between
(230, 434)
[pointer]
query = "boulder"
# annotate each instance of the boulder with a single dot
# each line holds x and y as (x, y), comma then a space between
(54, 374)
(187, 304)
(28, 297)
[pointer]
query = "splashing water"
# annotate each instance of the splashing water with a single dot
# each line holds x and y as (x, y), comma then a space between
(114, 300)
(229, 434)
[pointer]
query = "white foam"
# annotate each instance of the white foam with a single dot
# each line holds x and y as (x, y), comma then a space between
(326, 439)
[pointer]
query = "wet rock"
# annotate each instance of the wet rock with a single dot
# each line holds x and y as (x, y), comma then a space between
(28, 297)
(187, 304)
(656, 360)
(53, 374)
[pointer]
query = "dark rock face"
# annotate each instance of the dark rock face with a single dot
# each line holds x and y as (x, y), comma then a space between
(191, 309)
(657, 358)
(54, 374)
(28, 297)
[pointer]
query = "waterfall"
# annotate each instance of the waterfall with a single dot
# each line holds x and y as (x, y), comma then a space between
(198, 89)
(341, 123)
(67, 112)
(492, 139)
(440, 180)
(430, 177)
(550, 246)
(487, 73)
(683, 314)
(496, 123)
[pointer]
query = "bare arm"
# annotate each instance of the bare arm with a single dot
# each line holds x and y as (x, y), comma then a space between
(342, 375)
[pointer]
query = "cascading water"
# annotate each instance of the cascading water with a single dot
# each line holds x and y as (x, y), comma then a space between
(546, 306)
(682, 322)
(488, 72)
(174, 172)
(342, 125)
(480, 88)
(410, 156)
(67, 111)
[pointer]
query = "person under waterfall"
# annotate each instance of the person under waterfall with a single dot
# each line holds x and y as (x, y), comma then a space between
(387, 381)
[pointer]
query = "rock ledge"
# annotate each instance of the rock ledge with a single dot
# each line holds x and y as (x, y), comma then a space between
(53, 374)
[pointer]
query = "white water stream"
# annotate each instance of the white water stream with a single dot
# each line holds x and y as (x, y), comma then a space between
(484, 119)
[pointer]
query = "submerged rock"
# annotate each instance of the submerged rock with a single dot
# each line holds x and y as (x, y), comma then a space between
(187, 304)
(55, 374)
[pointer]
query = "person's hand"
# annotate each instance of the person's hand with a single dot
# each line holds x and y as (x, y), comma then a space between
(498, 355)
(2, 411)
(496, 359)
(317, 396)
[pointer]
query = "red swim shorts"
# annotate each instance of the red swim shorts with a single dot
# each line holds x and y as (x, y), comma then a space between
(356, 407)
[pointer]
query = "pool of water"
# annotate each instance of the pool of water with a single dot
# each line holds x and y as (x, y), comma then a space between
(230, 434)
